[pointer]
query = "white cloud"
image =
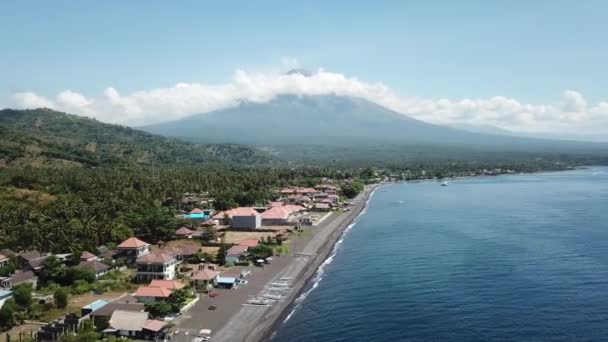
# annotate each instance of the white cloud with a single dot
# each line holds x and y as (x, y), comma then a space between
(30, 100)
(570, 113)
(70, 99)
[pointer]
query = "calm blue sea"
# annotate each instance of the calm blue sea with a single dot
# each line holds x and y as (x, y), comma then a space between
(509, 258)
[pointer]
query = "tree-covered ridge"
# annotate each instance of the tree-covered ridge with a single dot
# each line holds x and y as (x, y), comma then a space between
(43, 137)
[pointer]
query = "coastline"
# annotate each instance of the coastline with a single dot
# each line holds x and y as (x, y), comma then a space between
(258, 323)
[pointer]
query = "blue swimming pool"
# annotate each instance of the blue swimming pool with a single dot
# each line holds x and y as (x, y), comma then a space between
(196, 216)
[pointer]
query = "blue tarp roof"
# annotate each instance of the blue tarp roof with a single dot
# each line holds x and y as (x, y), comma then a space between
(96, 305)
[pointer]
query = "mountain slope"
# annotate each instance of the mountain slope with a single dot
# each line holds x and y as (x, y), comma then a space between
(47, 137)
(339, 121)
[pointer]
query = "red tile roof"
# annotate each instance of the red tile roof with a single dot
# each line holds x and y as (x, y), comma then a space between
(205, 274)
(280, 213)
(154, 325)
(183, 231)
(3, 257)
(152, 291)
(210, 222)
(249, 242)
(168, 284)
(155, 258)
(196, 211)
(132, 242)
(237, 250)
(87, 255)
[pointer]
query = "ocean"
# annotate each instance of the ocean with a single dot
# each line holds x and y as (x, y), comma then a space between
(507, 258)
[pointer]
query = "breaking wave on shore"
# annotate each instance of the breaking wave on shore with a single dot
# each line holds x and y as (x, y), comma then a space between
(316, 280)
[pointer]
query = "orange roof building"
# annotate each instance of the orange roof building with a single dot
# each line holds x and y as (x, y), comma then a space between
(168, 284)
(151, 293)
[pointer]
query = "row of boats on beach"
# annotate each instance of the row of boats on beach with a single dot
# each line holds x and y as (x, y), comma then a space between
(272, 292)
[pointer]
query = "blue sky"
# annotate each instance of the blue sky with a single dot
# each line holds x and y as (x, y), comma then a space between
(528, 50)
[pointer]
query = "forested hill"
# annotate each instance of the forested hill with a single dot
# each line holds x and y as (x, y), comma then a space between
(43, 137)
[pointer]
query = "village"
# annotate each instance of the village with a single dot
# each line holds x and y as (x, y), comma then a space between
(142, 290)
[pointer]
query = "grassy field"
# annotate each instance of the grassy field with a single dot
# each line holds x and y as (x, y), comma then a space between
(237, 237)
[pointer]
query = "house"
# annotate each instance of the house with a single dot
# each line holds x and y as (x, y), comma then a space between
(188, 251)
(4, 260)
(94, 306)
(333, 198)
(149, 294)
(301, 191)
(132, 248)
(274, 204)
(168, 284)
(281, 216)
(101, 316)
(159, 265)
(321, 207)
(135, 325)
(246, 218)
(20, 277)
(327, 188)
(105, 253)
(236, 254)
(99, 267)
(210, 222)
(184, 232)
(241, 218)
(205, 277)
(88, 256)
(32, 260)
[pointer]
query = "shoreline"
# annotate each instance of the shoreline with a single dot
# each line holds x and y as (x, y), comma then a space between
(293, 305)
(258, 323)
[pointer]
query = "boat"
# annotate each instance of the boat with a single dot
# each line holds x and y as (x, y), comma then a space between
(444, 183)
(258, 301)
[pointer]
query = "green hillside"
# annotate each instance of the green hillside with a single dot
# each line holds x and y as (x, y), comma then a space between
(43, 137)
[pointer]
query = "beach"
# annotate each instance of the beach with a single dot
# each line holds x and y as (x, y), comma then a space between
(233, 321)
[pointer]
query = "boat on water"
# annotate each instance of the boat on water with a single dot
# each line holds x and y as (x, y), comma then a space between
(444, 183)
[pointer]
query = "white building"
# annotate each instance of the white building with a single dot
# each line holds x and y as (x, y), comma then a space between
(156, 266)
(133, 248)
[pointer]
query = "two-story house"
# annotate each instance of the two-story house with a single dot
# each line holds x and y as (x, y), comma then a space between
(157, 265)
(132, 248)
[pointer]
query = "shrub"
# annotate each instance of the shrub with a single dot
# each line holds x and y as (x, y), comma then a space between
(61, 298)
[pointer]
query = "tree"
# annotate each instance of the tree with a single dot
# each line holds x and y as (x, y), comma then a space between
(209, 234)
(159, 309)
(22, 294)
(75, 273)
(61, 298)
(178, 298)
(152, 223)
(7, 314)
(221, 254)
(7, 269)
(261, 252)
(51, 270)
(352, 190)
